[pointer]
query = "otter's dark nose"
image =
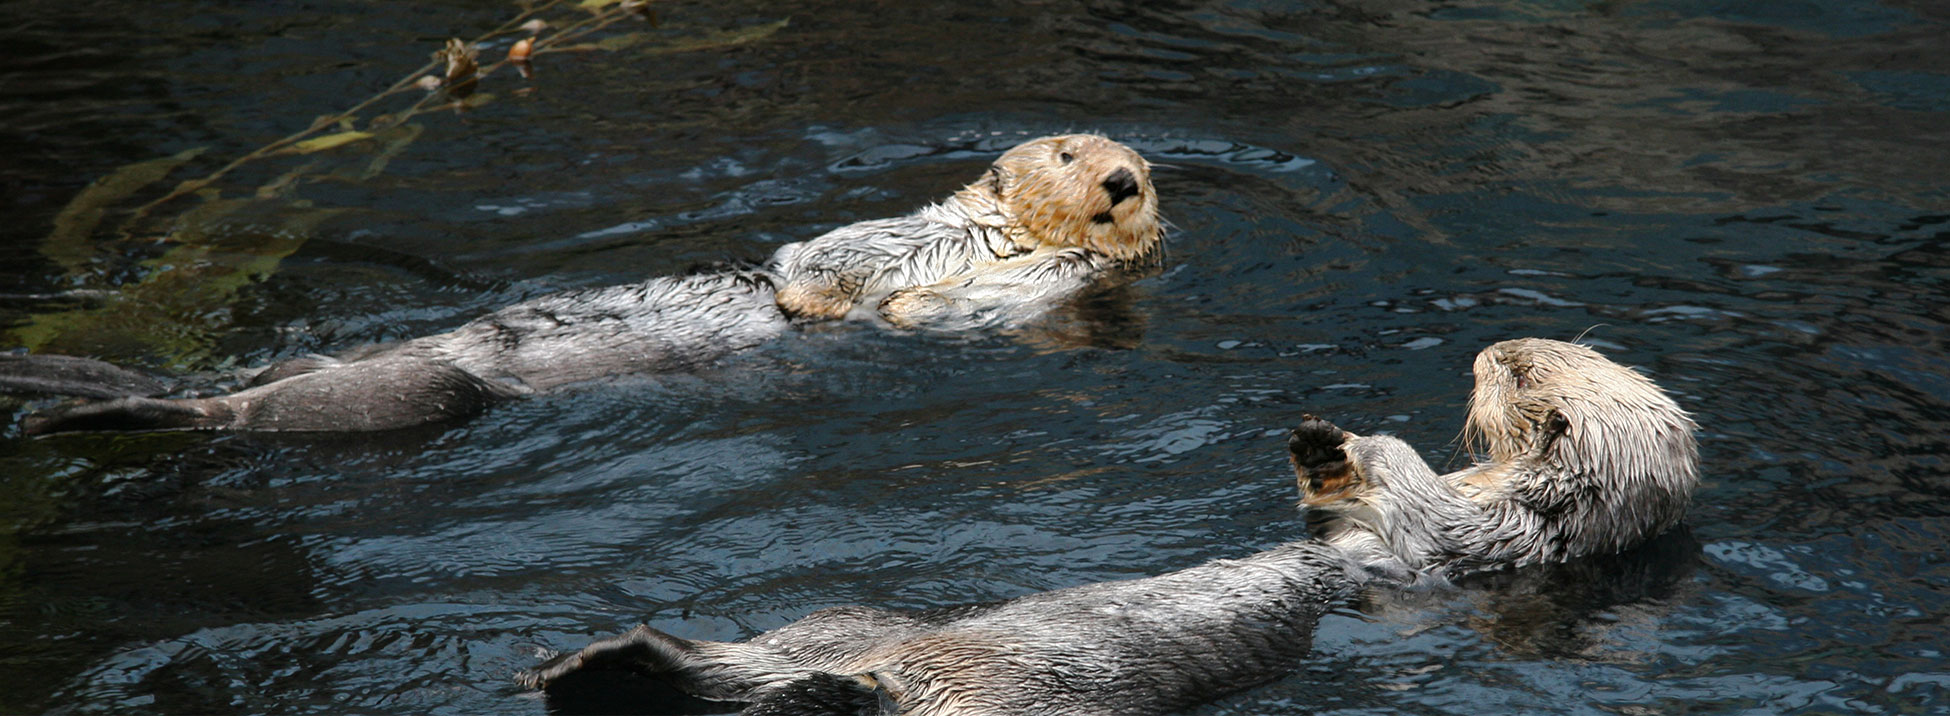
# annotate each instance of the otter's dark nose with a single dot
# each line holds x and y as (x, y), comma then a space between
(1121, 184)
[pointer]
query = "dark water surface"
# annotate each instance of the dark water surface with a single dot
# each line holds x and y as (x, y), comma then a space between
(1750, 200)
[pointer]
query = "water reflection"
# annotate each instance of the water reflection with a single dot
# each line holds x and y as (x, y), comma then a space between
(1570, 610)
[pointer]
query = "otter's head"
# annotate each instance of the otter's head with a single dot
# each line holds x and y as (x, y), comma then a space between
(1585, 457)
(1623, 448)
(1078, 190)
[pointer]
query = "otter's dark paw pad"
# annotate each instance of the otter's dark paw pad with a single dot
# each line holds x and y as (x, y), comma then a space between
(1315, 443)
(1325, 476)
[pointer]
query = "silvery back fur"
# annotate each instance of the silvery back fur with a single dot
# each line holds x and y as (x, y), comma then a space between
(1141, 646)
(663, 324)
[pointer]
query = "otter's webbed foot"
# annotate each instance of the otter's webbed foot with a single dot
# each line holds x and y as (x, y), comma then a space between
(1320, 462)
(642, 650)
(1316, 443)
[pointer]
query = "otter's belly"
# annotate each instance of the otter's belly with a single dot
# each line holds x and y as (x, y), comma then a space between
(668, 323)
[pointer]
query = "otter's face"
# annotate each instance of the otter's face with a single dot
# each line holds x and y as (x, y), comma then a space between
(1078, 190)
(1526, 389)
(1532, 393)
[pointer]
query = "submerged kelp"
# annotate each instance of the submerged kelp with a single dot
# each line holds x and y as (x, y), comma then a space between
(206, 238)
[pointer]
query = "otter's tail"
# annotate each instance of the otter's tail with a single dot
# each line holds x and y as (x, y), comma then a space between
(67, 375)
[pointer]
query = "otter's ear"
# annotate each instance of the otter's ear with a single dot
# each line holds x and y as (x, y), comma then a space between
(1555, 426)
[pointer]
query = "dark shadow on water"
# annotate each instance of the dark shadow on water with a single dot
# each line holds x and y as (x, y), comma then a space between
(1107, 318)
(617, 692)
(1561, 610)
(327, 446)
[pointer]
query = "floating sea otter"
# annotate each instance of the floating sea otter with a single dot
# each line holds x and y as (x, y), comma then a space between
(1050, 217)
(1585, 457)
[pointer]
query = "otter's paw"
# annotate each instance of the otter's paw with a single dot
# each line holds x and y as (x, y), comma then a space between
(910, 307)
(1320, 463)
(813, 304)
(1315, 443)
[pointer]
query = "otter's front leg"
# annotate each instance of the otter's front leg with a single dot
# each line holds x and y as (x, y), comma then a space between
(1316, 449)
(1000, 292)
(816, 302)
(823, 278)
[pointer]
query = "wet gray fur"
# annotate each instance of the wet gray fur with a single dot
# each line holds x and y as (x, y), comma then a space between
(1586, 457)
(663, 324)
(947, 267)
(1141, 646)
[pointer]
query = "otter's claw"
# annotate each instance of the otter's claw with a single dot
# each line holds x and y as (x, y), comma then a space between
(545, 673)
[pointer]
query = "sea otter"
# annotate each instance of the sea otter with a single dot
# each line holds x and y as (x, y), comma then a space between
(1584, 457)
(1049, 218)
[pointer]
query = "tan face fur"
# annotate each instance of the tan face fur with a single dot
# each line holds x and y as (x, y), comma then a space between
(1078, 190)
(1531, 390)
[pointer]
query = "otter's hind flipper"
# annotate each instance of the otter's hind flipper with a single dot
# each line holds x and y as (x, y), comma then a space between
(68, 375)
(384, 392)
(129, 415)
(642, 650)
(825, 694)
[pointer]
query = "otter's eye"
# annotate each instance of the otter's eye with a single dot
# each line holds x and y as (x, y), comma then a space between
(1522, 375)
(1067, 157)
